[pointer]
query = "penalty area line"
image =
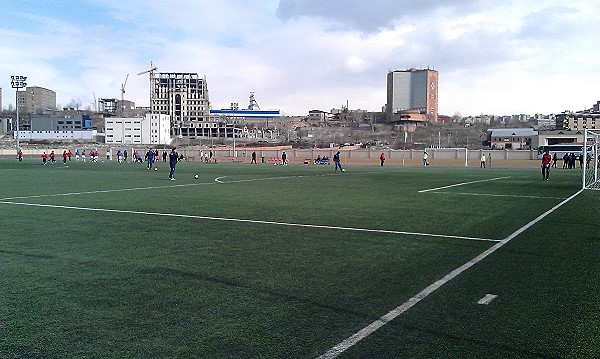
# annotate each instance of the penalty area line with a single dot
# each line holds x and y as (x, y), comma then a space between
(220, 179)
(497, 195)
(391, 315)
(106, 191)
(249, 221)
(462, 184)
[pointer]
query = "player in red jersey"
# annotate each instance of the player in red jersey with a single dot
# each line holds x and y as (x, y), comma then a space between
(546, 160)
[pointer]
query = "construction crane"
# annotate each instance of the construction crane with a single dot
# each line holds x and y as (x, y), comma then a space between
(123, 95)
(151, 72)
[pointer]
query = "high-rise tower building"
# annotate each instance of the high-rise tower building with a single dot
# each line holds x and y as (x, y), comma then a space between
(413, 89)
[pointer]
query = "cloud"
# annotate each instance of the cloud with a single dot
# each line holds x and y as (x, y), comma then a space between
(369, 16)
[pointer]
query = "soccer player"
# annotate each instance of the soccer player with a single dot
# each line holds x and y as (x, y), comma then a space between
(150, 158)
(336, 160)
(546, 160)
(382, 158)
(482, 163)
(173, 158)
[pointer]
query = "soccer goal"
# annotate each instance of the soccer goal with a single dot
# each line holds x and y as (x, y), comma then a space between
(591, 140)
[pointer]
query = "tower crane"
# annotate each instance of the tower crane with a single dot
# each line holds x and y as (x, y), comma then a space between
(151, 72)
(122, 95)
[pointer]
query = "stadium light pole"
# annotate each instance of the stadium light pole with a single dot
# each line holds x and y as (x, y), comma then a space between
(17, 82)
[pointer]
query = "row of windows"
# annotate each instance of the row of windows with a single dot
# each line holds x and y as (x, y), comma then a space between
(115, 122)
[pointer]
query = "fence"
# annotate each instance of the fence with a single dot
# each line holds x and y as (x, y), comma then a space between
(442, 155)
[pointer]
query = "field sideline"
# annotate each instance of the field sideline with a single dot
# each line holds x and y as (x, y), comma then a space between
(262, 261)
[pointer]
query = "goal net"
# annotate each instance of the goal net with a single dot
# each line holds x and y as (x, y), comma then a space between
(591, 170)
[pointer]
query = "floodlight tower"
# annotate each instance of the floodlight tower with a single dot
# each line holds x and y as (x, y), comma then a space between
(17, 82)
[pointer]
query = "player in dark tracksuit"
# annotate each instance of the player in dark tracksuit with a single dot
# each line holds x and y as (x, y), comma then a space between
(150, 158)
(336, 160)
(173, 158)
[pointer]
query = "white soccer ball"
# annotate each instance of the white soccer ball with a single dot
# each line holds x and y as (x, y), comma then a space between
(156, 169)
(343, 170)
(196, 176)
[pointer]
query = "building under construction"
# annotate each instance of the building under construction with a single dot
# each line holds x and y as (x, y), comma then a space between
(184, 97)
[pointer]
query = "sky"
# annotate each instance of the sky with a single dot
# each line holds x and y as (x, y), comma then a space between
(493, 57)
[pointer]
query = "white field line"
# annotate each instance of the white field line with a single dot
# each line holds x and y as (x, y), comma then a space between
(250, 221)
(391, 315)
(487, 299)
(462, 184)
(497, 195)
(217, 180)
(106, 191)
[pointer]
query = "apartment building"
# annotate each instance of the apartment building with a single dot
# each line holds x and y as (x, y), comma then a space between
(578, 121)
(35, 99)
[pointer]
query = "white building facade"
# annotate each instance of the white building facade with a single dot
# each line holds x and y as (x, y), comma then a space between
(151, 129)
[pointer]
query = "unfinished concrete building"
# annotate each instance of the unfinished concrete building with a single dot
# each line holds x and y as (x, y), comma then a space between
(184, 97)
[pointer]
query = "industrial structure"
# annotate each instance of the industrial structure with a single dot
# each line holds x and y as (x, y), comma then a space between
(252, 112)
(414, 92)
(115, 107)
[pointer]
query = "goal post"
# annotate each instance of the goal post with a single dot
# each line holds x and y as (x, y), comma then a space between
(590, 152)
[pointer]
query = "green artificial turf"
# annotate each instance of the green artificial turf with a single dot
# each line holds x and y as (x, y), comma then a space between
(262, 261)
